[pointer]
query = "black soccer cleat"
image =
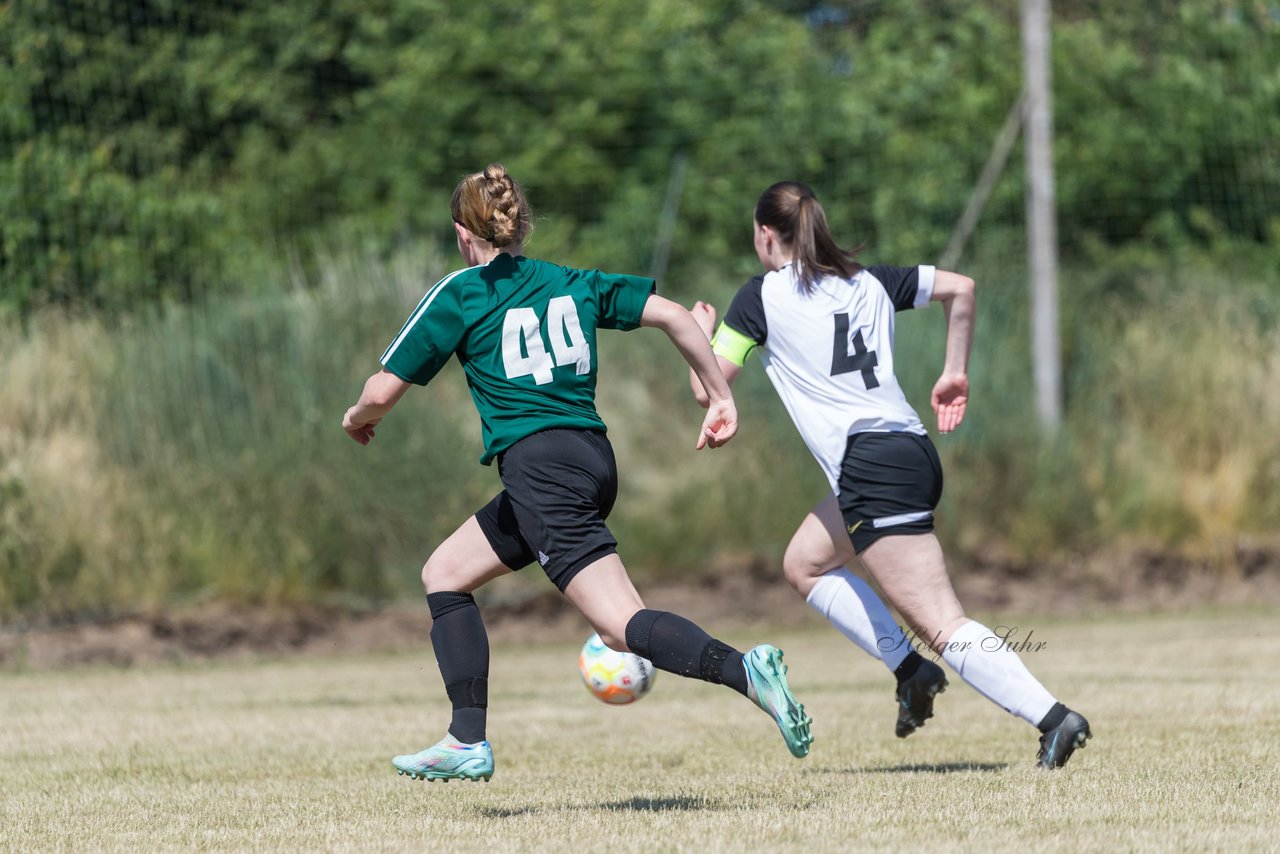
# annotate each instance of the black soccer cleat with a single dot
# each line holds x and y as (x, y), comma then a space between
(915, 697)
(1057, 745)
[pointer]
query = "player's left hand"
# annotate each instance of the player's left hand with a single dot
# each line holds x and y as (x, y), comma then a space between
(950, 395)
(705, 315)
(720, 425)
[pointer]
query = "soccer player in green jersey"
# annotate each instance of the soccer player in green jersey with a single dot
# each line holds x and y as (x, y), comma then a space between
(524, 332)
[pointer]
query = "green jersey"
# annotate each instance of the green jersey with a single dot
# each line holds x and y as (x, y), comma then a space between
(525, 333)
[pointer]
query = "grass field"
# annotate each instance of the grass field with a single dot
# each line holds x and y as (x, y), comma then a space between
(292, 754)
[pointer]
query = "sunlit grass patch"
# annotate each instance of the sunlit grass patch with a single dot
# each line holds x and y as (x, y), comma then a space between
(293, 754)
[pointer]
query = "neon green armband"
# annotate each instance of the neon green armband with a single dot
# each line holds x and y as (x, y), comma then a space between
(731, 345)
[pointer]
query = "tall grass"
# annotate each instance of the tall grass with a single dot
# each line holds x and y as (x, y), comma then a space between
(1172, 407)
(195, 451)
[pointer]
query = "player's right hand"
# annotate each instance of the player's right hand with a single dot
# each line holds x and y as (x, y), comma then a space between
(949, 398)
(363, 432)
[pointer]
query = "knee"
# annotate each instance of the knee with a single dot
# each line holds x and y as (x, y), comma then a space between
(613, 633)
(613, 640)
(440, 575)
(613, 628)
(801, 571)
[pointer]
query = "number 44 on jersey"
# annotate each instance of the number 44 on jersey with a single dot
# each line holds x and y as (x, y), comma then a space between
(523, 351)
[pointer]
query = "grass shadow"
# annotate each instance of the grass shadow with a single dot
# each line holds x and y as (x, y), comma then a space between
(675, 804)
(662, 805)
(931, 768)
(501, 812)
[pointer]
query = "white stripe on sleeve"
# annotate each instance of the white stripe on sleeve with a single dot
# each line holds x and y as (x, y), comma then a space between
(418, 312)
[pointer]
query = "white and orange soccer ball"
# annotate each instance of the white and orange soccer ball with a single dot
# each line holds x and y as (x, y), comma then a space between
(614, 677)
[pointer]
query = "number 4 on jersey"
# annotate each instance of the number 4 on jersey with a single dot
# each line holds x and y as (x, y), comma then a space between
(523, 353)
(862, 359)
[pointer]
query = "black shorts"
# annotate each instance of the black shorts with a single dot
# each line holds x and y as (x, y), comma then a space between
(890, 483)
(560, 487)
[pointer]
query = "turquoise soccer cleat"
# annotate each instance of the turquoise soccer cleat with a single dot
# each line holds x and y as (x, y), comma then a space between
(448, 759)
(767, 687)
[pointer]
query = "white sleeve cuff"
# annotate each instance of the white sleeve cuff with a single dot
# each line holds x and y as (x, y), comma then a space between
(924, 285)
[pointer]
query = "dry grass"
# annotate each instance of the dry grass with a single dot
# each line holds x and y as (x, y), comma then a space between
(193, 452)
(292, 754)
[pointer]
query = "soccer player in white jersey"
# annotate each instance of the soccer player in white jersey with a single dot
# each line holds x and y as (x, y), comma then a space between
(524, 332)
(823, 325)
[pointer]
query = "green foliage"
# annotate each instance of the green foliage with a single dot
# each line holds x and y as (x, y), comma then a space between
(152, 150)
(165, 163)
(1167, 122)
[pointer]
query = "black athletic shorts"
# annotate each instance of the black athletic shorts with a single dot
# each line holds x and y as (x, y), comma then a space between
(890, 483)
(560, 487)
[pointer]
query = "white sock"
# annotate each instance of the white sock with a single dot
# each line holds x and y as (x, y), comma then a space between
(996, 672)
(853, 607)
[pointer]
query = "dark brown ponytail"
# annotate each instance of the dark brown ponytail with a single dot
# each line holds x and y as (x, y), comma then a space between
(794, 212)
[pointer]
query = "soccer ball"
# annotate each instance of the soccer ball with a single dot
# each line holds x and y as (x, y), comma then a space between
(614, 677)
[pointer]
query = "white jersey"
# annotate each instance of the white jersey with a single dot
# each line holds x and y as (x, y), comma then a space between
(829, 353)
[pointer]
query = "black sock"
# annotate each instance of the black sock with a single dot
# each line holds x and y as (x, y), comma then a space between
(678, 646)
(462, 650)
(1056, 716)
(909, 666)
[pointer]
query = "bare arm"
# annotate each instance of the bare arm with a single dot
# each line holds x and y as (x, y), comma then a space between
(951, 391)
(721, 421)
(381, 392)
(704, 314)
